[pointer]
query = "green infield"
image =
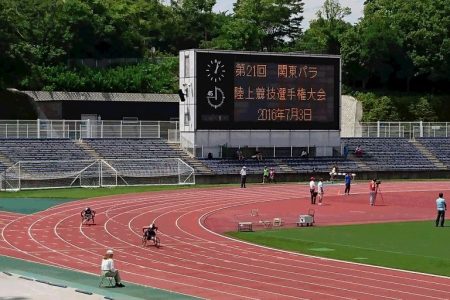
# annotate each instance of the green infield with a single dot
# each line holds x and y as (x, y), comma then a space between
(31, 201)
(82, 193)
(414, 246)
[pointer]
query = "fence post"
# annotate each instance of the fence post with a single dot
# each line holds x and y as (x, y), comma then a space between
(291, 151)
(421, 129)
(17, 128)
(274, 153)
(378, 129)
(121, 124)
(179, 175)
(140, 129)
(20, 181)
(38, 129)
(159, 129)
(88, 129)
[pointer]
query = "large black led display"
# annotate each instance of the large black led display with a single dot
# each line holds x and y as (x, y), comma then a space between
(261, 91)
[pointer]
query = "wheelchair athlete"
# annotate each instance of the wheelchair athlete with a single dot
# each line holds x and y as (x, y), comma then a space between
(150, 235)
(150, 232)
(87, 215)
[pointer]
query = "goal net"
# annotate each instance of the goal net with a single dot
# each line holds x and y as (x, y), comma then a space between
(95, 173)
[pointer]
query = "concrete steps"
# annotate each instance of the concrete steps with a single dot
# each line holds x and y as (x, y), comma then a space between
(6, 161)
(191, 161)
(360, 163)
(284, 168)
(430, 156)
(88, 149)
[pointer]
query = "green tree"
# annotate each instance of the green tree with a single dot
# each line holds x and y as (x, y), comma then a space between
(377, 108)
(369, 49)
(193, 23)
(325, 31)
(422, 28)
(422, 111)
(261, 25)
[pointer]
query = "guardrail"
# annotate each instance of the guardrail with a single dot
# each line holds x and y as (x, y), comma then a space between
(410, 130)
(79, 129)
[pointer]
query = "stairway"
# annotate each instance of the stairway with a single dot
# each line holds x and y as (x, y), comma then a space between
(6, 161)
(198, 166)
(88, 149)
(428, 155)
(284, 167)
(360, 163)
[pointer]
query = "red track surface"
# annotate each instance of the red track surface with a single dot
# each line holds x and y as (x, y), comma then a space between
(196, 260)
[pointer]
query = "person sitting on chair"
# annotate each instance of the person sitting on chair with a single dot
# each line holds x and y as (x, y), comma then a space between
(108, 269)
(151, 231)
(87, 214)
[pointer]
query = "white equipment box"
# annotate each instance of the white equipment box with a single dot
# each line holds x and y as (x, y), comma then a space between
(307, 220)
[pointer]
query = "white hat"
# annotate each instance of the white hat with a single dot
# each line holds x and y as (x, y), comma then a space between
(109, 252)
(244, 167)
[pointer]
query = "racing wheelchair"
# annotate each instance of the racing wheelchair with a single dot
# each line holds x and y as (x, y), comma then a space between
(150, 236)
(88, 217)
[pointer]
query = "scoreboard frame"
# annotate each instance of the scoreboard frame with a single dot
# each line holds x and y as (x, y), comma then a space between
(217, 109)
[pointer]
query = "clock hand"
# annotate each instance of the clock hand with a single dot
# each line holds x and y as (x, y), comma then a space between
(217, 67)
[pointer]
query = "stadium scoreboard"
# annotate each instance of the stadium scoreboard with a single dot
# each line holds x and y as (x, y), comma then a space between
(267, 91)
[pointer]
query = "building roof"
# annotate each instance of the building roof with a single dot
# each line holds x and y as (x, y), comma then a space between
(41, 96)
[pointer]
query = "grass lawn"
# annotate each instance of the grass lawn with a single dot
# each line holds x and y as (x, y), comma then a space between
(83, 193)
(31, 201)
(415, 246)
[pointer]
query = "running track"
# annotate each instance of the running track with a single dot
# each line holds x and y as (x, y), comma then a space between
(196, 260)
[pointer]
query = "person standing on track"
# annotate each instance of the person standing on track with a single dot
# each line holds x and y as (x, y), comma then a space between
(320, 191)
(243, 176)
(312, 190)
(441, 208)
(372, 191)
(108, 269)
(265, 174)
(348, 181)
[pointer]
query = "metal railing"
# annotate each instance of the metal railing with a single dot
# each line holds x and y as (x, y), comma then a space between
(409, 130)
(222, 151)
(80, 129)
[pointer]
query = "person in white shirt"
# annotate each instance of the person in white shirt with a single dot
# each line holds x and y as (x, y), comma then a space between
(441, 208)
(108, 268)
(312, 190)
(320, 190)
(243, 176)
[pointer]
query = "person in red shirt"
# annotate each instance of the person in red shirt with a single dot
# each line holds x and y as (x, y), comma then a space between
(372, 191)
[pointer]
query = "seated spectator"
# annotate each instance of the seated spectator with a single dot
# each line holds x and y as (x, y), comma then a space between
(258, 155)
(333, 173)
(239, 154)
(359, 151)
(304, 154)
(345, 151)
(210, 156)
(108, 268)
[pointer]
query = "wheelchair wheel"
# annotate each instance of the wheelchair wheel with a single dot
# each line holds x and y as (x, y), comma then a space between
(156, 242)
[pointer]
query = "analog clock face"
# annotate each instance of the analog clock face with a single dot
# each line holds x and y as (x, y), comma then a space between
(215, 98)
(215, 70)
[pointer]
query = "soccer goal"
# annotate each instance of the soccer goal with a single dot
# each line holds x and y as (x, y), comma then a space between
(95, 173)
